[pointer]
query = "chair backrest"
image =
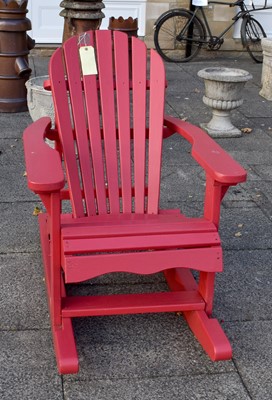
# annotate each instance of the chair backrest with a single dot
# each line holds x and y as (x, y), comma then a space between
(99, 117)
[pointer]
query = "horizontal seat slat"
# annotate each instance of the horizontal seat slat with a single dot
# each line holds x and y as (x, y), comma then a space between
(141, 242)
(67, 221)
(134, 229)
(80, 268)
(131, 304)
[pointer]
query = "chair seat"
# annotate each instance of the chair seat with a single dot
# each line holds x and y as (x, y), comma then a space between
(137, 243)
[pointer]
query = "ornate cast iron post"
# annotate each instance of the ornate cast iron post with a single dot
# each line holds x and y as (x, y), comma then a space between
(81, 16)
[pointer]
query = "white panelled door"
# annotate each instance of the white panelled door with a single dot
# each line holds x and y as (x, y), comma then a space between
(47, 25)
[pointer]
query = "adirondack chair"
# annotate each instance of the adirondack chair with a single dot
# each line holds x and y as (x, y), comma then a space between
(116, 224)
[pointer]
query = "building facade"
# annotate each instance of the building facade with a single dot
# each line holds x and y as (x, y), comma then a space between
(47, 25)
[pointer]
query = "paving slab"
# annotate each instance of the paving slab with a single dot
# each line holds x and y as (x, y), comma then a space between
(14, 182)
(262, 196)
(182, 184)
(23, 302)
(11, 151)
(238, 60)
(245, 229)
(255, 105)
(123, 279)
(114, 287)
(184, 85)
(28, 367)
(263, 171)
(20, 232)
(176, 151)
(206, 387)
(247, 156)
(12, 125)
(243, 289)
(252, 343)
(256, 140)
(188, 107)
(138, 346)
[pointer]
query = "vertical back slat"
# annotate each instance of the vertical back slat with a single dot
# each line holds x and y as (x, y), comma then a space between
(92, 107)
(73, 69)
(104, 58)
(156, 112)
(139, 120)
(123, 112)
(63, 122)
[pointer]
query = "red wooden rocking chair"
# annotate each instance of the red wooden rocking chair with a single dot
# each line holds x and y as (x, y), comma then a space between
(116, 224)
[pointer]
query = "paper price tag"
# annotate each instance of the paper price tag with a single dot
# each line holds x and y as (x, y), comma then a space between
(88, 62)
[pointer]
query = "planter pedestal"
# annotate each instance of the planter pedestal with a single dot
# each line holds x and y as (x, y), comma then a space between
(266, 90)
(223, 87)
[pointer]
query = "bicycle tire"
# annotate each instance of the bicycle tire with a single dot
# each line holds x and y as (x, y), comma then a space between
(251, 34)
(165, 36)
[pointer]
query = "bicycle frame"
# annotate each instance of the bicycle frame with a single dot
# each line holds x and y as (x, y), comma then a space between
(243, 11)
(188, 30)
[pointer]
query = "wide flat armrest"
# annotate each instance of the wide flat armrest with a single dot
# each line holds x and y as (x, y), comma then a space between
(215, 161)
(43, 164)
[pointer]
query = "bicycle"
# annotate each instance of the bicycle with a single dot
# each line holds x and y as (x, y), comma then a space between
(180, 33)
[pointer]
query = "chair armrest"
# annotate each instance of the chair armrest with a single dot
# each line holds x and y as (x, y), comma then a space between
(218, 164)
(43, 164)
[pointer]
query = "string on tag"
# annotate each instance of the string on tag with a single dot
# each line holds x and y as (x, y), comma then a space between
(82, 39)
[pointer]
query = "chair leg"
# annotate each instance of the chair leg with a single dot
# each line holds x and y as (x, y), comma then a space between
(207, 330)
(206, 289)
(63, 335)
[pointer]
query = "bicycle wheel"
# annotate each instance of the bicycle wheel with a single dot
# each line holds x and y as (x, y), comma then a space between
(177, 38)
(251, 33)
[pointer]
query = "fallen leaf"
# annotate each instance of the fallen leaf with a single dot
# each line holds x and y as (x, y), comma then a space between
(238, 234)
(246, 130)
(197, 90)
(25, 173)
(36, 211)
(240, 225)
(184, 118)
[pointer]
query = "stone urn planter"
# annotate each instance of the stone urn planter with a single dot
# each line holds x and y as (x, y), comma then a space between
(266, 90)
(40, 101)
(223, 93)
